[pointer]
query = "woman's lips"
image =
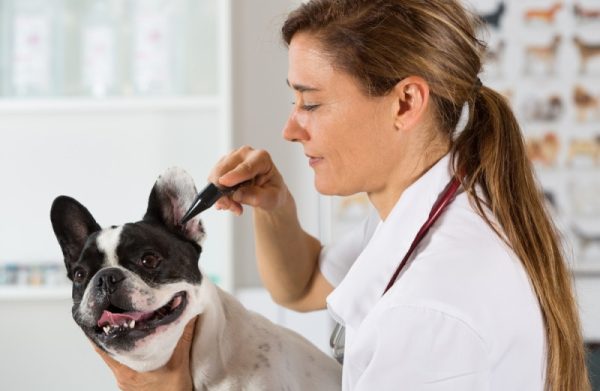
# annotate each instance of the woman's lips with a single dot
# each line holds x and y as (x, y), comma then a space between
(312, 161)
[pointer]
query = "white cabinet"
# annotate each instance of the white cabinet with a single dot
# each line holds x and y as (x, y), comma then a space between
(107, 151)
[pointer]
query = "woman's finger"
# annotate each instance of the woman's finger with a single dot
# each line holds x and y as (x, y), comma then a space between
(229, 162)
(257, 163)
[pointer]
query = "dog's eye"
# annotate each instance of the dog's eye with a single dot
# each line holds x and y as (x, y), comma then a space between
(150, 260)
(78, 276)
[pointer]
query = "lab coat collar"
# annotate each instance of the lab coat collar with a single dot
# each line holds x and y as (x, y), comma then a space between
(363, 285)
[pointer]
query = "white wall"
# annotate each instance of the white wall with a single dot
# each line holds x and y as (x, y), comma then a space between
(43, 349)
(262, 102)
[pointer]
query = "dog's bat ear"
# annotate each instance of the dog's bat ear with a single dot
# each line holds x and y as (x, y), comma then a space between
(172, 195)
(72, 224)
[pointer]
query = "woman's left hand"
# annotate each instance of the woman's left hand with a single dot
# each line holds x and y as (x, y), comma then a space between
(175, 375)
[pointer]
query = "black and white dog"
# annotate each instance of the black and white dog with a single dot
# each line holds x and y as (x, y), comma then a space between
(136, 286)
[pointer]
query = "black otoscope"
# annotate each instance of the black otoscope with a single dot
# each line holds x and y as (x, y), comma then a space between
(207, 198)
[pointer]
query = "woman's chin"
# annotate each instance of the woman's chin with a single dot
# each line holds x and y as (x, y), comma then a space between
(330, 187)
(323, 185)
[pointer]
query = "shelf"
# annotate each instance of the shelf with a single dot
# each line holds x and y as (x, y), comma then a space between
(112, 104)
(583, 270)
(35, 293)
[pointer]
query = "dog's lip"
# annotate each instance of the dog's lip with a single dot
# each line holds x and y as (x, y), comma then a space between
(146, 321)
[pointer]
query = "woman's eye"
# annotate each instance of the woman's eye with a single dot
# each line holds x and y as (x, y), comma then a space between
(309, 107)
(150, 261)
(78, 276)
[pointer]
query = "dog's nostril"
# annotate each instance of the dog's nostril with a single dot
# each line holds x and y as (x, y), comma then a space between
(108, 282)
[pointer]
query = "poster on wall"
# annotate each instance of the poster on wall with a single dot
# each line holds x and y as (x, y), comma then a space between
(544, 57)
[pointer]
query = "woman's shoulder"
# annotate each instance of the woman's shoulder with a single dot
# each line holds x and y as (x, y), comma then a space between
(464, 230)
(466, 270)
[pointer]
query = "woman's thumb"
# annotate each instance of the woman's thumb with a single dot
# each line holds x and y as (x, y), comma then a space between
(183, 349)
(188, 333)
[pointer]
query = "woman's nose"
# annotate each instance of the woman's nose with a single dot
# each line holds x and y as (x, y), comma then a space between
(293, 130)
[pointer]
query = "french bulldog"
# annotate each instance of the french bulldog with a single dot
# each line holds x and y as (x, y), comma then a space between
(137, 285)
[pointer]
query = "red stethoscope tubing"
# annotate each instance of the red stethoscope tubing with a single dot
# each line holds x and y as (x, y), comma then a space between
(443, 201)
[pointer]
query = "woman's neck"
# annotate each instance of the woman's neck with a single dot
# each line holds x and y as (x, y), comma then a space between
(408, 171)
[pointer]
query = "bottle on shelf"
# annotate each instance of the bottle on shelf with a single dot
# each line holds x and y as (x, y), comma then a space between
(99, 49)
(156, 55)
(32, 47)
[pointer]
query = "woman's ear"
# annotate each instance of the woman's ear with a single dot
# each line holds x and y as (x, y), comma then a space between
(412, 97)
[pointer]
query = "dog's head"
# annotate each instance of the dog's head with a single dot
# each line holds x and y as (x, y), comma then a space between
(135, 286)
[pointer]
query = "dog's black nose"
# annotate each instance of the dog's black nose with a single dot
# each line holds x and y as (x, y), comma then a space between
(108, 280)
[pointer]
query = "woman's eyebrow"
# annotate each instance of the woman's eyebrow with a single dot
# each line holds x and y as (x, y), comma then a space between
(300, 87)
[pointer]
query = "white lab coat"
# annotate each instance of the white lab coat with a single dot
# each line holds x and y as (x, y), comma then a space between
(462, 316)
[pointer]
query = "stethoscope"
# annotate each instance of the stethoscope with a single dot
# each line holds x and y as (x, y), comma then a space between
(338, 335)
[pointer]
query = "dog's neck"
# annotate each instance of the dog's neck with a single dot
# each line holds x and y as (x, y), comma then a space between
(213, 341)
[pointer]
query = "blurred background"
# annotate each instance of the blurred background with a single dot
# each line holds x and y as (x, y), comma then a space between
(98, 97)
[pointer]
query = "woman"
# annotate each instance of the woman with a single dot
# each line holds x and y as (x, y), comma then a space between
(484, 301)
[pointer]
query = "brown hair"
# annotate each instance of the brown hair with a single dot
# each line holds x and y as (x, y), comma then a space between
(380, 42)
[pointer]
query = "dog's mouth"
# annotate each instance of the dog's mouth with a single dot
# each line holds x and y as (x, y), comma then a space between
(116, 321)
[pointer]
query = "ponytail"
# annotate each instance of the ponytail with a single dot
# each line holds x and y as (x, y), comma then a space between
(498, 177)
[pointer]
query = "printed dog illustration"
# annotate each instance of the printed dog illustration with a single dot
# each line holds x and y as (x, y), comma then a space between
(587, 51)
(543, 109)
(586, 14)
(587, 105)
(543, 54)
(543, 150)
(494, 18)
(584, 150)
(547, 15)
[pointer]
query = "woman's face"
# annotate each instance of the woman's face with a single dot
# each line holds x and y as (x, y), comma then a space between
(347, 136)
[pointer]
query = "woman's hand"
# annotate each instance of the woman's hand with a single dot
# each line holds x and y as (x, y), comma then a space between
(267, 190)
(174, 376)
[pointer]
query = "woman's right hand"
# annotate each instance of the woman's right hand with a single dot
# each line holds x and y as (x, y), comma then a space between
(287, 256)
(267, 189)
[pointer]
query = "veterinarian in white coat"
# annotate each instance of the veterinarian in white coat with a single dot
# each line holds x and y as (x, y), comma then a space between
(483, 300)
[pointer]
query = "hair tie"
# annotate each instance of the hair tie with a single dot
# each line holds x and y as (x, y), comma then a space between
(476, 87)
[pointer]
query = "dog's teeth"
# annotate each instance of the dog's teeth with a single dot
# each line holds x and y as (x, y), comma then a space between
(132, 324)
(106, 329)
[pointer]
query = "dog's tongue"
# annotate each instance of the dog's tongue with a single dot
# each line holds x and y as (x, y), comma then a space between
(120, 318)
